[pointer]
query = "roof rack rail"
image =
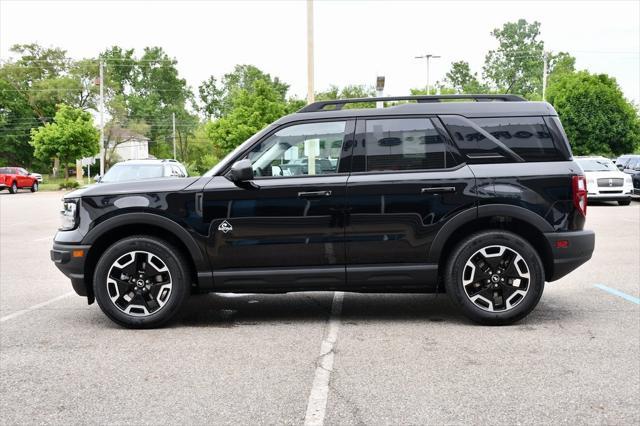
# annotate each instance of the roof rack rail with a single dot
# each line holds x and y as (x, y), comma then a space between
(340, 103)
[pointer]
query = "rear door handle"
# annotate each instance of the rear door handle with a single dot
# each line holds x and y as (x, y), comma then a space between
(314, 194)
(437, 189)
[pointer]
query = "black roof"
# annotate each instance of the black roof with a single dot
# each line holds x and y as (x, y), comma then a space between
(466, 109)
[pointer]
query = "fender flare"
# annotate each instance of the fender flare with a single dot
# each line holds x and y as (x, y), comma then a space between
(469, 215)
(199, 259)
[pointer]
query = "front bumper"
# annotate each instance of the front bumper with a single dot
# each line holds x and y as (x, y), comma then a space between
(70, 259)
(569, 250)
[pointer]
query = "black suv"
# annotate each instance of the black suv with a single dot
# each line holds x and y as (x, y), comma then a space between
(478, 199)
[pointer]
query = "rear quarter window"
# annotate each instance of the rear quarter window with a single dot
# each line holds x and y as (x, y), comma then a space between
(528, 137)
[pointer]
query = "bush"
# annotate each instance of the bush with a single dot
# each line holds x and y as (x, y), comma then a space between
(69, 184)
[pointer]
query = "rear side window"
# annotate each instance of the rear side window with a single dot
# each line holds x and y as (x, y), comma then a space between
(528, 137)
(403, 144)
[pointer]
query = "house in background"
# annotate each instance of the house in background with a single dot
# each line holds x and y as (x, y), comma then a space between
(124, 144)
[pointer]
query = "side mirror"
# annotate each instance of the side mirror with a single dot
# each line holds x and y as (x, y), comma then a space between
(241, 171)
(97, 178)
(620, 167)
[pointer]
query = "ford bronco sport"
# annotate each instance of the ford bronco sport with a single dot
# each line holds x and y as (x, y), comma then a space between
(478, 197)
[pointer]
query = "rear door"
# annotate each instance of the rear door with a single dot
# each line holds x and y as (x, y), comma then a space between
(286, 227)
(404, 186)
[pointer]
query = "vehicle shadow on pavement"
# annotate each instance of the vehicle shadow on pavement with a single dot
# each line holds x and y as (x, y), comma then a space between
(233, 310)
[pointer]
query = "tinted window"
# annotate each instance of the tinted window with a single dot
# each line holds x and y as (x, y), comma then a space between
(301, 149)
(403, 144)
(6, 171)
(130, 172)
(526, 136)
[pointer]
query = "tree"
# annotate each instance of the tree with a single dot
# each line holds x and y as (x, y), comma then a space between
(348, 92)
(594, 113)
(516, 65)
(462, 80)
(217, 99)
(71, 136)
(251, 111)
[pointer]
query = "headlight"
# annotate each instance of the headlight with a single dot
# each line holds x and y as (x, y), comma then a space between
(69, 215)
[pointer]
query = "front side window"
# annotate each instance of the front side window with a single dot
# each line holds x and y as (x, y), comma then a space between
(300, 150)
(403, 144)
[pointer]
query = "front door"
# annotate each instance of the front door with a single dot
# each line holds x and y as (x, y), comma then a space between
(287, 226)
(404, 186)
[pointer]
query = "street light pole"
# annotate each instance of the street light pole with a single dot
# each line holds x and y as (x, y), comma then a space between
(310, 64)
(428, 57)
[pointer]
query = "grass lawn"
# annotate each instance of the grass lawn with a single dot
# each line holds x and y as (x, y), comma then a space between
(53, 184)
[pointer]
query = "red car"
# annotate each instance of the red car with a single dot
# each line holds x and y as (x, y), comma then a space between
(14, 178)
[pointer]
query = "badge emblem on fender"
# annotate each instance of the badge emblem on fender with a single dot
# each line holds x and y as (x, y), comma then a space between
(225, 227)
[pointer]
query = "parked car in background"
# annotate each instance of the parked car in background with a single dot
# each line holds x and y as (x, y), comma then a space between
(38, 176)
(604, 181)
(14, 178)
(143, 169)
(630, 164)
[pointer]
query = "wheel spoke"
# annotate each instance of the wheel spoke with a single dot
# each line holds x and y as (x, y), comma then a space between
(136, 280)
(496, 278)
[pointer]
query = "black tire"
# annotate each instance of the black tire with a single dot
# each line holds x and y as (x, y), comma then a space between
(179, 277)
(34, 187)
(624, 202)
(482, 311)
(13, 188)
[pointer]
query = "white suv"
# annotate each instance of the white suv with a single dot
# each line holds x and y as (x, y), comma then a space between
(604, 181)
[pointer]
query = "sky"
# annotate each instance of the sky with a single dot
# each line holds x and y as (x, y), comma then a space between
(354, 40)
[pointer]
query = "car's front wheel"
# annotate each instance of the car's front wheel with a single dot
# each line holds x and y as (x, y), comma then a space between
(13, 188)
(34, 187)
(141, 282)
(495, 277)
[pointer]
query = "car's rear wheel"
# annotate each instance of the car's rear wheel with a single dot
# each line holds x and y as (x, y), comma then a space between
(495, 277)
(13, 188)
(141, 282)
(34, 187)
(624, 202)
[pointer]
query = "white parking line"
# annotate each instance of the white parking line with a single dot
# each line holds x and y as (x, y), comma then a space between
(34, 307)
(317, 404)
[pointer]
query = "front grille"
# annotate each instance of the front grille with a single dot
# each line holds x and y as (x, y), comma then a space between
(609, 183)
(611, 192)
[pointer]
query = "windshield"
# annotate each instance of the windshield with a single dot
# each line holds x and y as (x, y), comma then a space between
(596, 165)
(119, 173)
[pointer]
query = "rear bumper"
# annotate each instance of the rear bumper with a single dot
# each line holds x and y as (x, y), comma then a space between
(579, 248)
(66, 258)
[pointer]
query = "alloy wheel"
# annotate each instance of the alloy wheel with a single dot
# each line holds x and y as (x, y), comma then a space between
(496, 278)
(139, 283)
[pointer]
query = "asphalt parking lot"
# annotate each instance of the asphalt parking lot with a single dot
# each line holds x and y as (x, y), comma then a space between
(256, 359)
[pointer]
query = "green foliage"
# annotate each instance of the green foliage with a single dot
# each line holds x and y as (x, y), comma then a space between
(595, 115)
(348, 92)
(71, 136)
(69, 184)
(462, 80)
(217, 99)
(516, 65)
(250, 112)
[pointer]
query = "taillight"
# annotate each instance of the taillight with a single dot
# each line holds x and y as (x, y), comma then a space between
(579, 185)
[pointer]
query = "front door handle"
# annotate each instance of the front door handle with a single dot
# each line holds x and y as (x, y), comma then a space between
(437, 189)
(314, 194)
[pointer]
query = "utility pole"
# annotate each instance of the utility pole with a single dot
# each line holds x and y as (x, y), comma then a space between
(428, 57)
(173, 117)
(310, 64)
(545, 61)
(102, 153)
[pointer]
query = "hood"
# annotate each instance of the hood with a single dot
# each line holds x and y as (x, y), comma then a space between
(134, 187)
(607, 174)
